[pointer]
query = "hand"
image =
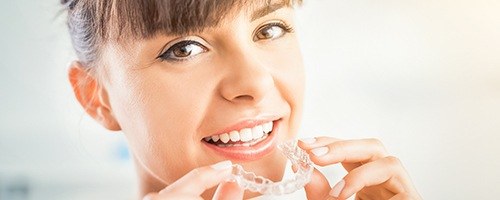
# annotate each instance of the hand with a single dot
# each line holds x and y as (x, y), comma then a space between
(194, 183)
(372, 173)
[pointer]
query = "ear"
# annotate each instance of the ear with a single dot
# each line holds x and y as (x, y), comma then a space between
(92, 96)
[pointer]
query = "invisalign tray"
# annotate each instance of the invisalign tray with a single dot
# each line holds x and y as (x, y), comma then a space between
(299, 159)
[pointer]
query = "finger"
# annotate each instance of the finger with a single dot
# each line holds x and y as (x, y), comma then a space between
(228, 191)
(156, 196)
(151, 196)
(387, 171)
(348, 151)
(318, 187)
(310, 143)
(200, 179)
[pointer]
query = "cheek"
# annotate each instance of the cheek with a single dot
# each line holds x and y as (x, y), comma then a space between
(287, 65)
(160, 117)
(290, 81)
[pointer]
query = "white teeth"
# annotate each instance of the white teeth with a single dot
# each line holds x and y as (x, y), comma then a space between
(246, 135)
(268, 127)
(235, 136)
(257, 132)
(224, 137)
(215, 138)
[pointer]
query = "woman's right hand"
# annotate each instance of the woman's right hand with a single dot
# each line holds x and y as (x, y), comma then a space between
(194, 183)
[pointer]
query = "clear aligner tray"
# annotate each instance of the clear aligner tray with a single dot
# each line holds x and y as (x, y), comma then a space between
(298, 158)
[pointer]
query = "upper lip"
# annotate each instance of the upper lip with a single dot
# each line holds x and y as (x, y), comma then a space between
(246, 123)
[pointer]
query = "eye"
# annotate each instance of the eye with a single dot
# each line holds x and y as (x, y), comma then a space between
(183, 50)
(272, 31)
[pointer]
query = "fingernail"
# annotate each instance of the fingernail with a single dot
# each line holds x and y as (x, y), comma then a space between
(308, 140)
(335, 192)
(222, 165)
(320, 151)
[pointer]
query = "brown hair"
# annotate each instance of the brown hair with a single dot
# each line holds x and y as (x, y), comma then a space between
(92, 23)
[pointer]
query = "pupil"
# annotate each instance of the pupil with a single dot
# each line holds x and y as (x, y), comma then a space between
(271, 32)
(183, 51)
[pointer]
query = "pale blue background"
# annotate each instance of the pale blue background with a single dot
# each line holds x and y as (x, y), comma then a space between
(421, 75)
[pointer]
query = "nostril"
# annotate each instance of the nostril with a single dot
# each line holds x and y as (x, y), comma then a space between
(244, 98)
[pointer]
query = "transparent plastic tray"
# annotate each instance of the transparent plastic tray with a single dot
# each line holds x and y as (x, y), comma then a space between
(298, 157)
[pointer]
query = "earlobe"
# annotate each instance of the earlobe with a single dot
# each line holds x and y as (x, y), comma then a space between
(92, 96)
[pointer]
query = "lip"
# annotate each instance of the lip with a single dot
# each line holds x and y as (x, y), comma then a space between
(246, 124)
(250, 153)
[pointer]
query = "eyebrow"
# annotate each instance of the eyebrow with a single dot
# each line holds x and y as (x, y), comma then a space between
(266, 10)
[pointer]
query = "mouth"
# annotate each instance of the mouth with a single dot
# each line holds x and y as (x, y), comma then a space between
(252, 141)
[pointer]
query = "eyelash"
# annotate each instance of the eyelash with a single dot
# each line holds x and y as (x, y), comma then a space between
(165, 55)
(287, 28)
(170, 50)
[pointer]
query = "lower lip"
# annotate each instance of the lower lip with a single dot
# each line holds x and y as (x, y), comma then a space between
(250, 153)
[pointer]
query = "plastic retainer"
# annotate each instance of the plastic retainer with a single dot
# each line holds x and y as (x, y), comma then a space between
(298, 157)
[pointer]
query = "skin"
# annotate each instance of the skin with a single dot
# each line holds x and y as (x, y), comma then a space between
(165, 109)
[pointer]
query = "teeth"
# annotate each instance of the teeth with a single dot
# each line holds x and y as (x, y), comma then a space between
(268, 127)
(257, 132)
(224, 137)
(245, 135)
(235, 136)
(215, 138)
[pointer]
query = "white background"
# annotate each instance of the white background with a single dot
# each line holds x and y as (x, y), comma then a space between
(423, 76)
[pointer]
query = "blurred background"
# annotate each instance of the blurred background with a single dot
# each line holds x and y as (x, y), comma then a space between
(423, 76)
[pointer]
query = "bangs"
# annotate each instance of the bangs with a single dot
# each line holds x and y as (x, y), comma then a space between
(93, 23)
(116, 20)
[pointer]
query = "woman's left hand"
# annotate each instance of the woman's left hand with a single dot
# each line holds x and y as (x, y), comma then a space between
(372, 173)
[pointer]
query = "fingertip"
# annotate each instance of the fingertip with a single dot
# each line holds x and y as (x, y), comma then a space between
(318, 187)
(200, 179)
(345, 189)
(307, 140)
(224, 165)
(223, 169)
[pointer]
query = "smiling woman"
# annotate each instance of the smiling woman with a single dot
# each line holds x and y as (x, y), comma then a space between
(167, 85)
(193, 83)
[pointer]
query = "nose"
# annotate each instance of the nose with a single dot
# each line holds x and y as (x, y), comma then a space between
(248, 80)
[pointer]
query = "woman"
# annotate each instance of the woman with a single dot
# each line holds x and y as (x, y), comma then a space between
(198, 85)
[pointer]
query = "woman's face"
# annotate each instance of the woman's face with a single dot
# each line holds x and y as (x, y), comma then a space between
(174, 96)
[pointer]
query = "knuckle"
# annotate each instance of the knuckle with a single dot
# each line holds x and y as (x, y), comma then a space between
(375, 141)
(337, 150)
(336, 146)
(378, 146)
(394, 161)
(341, 149)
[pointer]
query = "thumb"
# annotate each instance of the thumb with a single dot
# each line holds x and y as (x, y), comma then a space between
(318, 188)
(228, 191)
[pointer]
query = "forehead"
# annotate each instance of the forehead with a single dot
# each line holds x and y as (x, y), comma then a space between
(145, 19)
